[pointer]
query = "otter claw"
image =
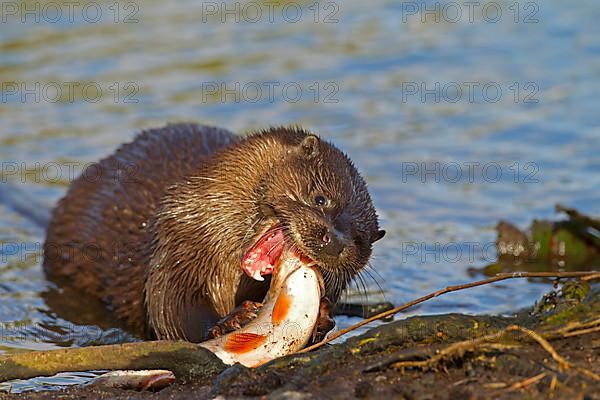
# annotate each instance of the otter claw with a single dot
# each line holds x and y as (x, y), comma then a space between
(239, 317)
(325, 322)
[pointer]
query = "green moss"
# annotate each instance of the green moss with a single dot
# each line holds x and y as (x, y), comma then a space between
(567, 315)
(575, 290)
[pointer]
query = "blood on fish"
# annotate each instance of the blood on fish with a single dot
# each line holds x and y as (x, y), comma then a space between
(281, 308)
(283, 324)
(243, 342)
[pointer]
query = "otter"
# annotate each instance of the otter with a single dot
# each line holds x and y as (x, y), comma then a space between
(185, 223)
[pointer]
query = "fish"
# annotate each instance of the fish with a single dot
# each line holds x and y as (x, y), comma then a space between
(153, 380)
(284, 324)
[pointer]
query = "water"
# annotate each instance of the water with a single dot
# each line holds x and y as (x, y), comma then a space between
(366, 82)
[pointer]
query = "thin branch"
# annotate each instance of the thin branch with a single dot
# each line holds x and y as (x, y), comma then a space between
(582, 331)
(497, 278)
(557, 357)
(564, 364)
(591, 277)
(526, 382)
(459, 348)
(453, 350)
(574, 328)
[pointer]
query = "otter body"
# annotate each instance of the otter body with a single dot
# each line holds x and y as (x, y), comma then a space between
(178, 227)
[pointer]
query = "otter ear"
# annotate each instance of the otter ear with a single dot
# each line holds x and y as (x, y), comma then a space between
(380, 234)
(310, 146)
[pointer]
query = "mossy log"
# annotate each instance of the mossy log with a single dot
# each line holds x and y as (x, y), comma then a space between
(186, 360)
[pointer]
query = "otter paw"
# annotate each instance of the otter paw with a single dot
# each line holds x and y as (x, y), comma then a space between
(239, 317)
(325, 322)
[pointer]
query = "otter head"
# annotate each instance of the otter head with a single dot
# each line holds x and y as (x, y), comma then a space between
(313, 201)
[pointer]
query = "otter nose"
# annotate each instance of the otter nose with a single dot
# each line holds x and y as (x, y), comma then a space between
(332, 245)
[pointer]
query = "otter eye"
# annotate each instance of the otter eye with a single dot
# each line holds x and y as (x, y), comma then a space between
(320, 200)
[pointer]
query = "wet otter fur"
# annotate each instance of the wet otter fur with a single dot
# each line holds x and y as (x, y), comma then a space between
(160, 229)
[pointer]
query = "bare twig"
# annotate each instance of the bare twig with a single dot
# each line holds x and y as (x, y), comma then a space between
(543, 342)
(459, 348)
(526, 382)
(453, 350)
(574, 328)
(495, 385)
(582, 331)
(591, 277)
(557, 357)
(497, 278)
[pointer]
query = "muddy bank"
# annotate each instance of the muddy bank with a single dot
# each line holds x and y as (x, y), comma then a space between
(509, 365)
